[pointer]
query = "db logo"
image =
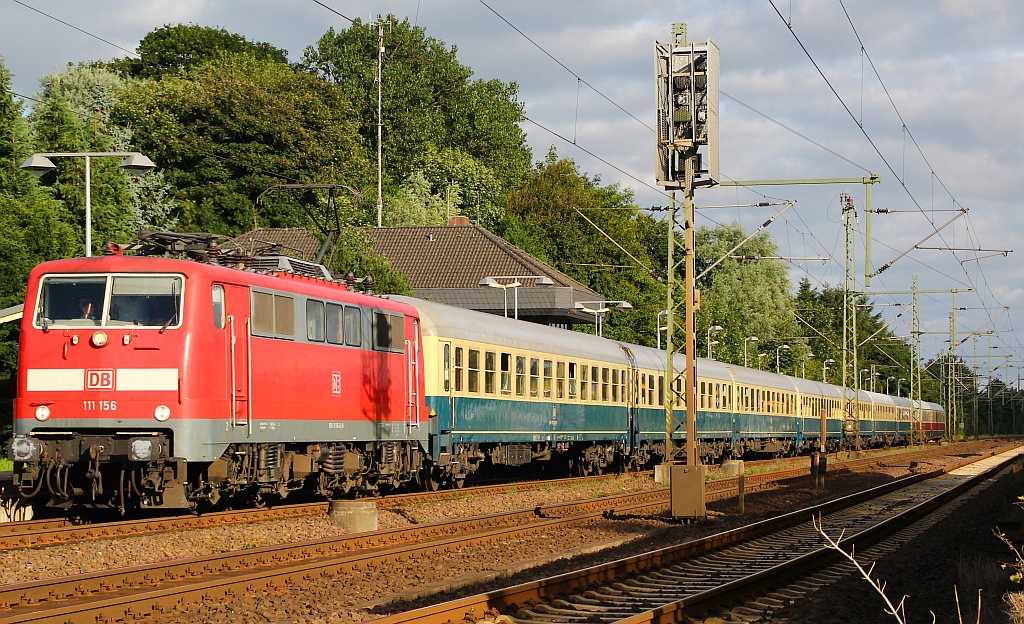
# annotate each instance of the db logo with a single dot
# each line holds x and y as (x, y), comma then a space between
(99, 379)
(336, 384)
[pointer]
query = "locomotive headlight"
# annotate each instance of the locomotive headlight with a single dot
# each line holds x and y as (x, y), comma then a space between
(99, 339)
(25, 449)
(162, 413)
(42, 413)
(144, 449)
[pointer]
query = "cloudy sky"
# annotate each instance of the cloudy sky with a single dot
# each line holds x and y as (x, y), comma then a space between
(926, 94)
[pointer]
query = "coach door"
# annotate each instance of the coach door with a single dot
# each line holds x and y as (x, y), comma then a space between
(447, 387)
(235, 321)
(632, 387)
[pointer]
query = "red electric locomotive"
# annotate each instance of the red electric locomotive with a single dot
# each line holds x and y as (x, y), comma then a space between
(155, 382)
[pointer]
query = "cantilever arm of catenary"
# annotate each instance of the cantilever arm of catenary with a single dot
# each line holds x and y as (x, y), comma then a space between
(885, 266)
(743, 242)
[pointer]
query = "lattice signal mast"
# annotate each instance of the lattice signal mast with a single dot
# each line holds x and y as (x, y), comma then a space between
(686, 97)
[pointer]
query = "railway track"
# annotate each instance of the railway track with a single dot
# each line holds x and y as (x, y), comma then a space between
(47, 532)
(125, 593)
(696, 578)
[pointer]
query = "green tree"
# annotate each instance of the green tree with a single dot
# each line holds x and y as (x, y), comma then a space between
(428, 100)
(747, 298)
(231, 128)
(172, 49)
(544, 221)
(58, 127)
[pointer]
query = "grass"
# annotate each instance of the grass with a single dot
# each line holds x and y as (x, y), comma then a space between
(6, 465)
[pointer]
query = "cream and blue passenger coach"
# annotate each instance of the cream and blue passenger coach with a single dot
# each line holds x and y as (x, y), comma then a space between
(509, 392)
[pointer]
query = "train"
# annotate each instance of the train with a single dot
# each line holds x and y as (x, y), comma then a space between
(150, 382)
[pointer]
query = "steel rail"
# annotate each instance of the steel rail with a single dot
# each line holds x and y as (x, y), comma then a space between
(544, 596)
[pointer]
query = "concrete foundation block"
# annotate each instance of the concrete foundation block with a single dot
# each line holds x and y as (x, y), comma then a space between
(354, 516)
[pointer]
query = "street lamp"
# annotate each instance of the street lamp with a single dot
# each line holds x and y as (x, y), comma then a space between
(40, 164)
(824, 369)
(861, 377)
(803, 365)
(887, 380)
(745, 341)
(873, 375)
(898, 382)
(600, 311)
(760, 357)
(492, 281)
(782, 348)
(657, 323)
(713, 328)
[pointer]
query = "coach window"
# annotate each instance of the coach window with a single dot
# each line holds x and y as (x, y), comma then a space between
(615, 385)
(489, 371)
(622, 385)
(534, 377)
(336, 322)
(315, 319)
(650, 389)
(520, 375)
(605, 379)
(700, 396)
(560, 380)
(584, 382)
(353, 327)
(572, 380)
(459, 364)
(661, 390)
(506, 373)
(219, 317)
(595, 377)
(474, 370)
(548, 370)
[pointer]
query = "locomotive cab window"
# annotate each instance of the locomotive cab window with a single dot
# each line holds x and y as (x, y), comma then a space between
(110, 300)
(388, 332)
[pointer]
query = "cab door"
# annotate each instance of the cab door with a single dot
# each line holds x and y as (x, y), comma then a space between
(235, 320)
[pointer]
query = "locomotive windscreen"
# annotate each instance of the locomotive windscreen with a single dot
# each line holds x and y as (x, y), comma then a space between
(109, 300)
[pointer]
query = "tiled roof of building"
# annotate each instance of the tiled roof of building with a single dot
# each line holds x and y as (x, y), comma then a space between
(459, 256)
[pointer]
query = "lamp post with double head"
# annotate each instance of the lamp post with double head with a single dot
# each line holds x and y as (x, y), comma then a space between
(803, 365)
(887, 380)
(784, 347)
(492, 281)
(824, 369)
(747, 340)
(601, 309)
(40, 164)
(658, 327)
(716, 329)
(898, 382)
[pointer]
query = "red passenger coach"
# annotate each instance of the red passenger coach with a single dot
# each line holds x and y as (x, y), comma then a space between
(155, 382)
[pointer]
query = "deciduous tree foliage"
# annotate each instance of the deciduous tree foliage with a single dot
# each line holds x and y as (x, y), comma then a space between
(171, 49)
(747, 298)
(231, 128)
(543, 220)
(429, 100)
(33, 228)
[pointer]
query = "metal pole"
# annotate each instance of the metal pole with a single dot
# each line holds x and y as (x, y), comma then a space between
(88, 207)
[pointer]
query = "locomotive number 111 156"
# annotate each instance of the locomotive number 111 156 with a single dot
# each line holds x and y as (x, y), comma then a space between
(102, 406)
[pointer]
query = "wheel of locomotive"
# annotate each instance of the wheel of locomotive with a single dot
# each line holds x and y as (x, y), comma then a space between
(460, 482)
